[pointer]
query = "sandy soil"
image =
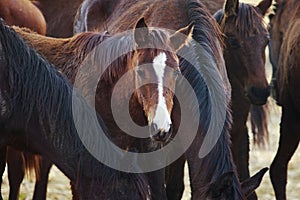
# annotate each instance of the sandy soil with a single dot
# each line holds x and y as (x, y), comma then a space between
(59, 188)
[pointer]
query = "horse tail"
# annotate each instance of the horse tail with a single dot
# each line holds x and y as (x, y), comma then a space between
(259, 125)
(31, 163)
(24, 162)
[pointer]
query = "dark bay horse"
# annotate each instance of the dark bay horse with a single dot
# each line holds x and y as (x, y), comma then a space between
(173, 15)
(97, 12)
(146, 102)
(285, 55)
(37, 114)
(242, 25)
(23, 13)
(59, 15)
(246, 38)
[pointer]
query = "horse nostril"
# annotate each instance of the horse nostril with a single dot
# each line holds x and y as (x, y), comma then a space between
(260, 92)
(153, 129)
(162, 135)
(258, 96)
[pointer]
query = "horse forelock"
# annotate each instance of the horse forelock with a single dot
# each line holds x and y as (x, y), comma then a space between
(248, 19)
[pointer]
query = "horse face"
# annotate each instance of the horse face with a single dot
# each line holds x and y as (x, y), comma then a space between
(155, 82)
(246, 40)
(156, 69)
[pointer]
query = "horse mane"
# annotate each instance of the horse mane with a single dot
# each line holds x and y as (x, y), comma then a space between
(245, 20)
(113, 57)
(210, 61)
(37, 88)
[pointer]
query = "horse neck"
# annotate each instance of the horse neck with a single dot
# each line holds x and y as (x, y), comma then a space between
(215, 164)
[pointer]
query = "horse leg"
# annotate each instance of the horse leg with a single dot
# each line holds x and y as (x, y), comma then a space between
(2, 166)
(157, 184)
(240, 153)
(40, 189)
(288, 143)
(15, 172)
(174, 179)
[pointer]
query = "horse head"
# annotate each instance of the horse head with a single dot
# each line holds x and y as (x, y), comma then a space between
(156, 68)
(222, 188)
(246, 38)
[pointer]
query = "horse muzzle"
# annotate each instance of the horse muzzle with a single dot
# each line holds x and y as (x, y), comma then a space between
(258, 96)
(160, 135)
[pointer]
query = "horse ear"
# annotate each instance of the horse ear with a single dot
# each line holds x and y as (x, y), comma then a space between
(182, 37)
(141, 32)
(250, 184)
(231, 8)
(264, 5)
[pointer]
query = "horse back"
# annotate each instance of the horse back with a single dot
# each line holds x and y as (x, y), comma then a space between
(23, 13)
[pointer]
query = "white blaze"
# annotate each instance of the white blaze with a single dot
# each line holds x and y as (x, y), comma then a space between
(161, 118)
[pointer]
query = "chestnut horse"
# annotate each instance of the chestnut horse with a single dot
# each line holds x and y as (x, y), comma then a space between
(246, 38)
(172, 15)
(285, 55)
(37, 114)
(59, 15)
(144, 105)
(23, 13)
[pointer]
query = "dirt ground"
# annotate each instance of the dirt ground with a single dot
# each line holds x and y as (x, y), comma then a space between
(59, 188)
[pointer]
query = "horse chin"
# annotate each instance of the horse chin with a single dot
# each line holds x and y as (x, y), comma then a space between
(158, 140)
(257, 101)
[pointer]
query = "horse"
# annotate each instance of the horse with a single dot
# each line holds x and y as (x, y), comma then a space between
(23, 13)
(213, 6)
(246, 38)
(59, 15)
(78, 47)
(284, 55)
(37, 114)
(246, 71)
(97, 12)
(173, 15)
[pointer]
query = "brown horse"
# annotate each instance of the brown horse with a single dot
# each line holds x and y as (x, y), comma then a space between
(213, 6)
(147, 103)
(59, 15)
(246, 38)
(246, 70)
(37, 114)
(285, 55)
(23, 13)
(168, 15)
(97, 12)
